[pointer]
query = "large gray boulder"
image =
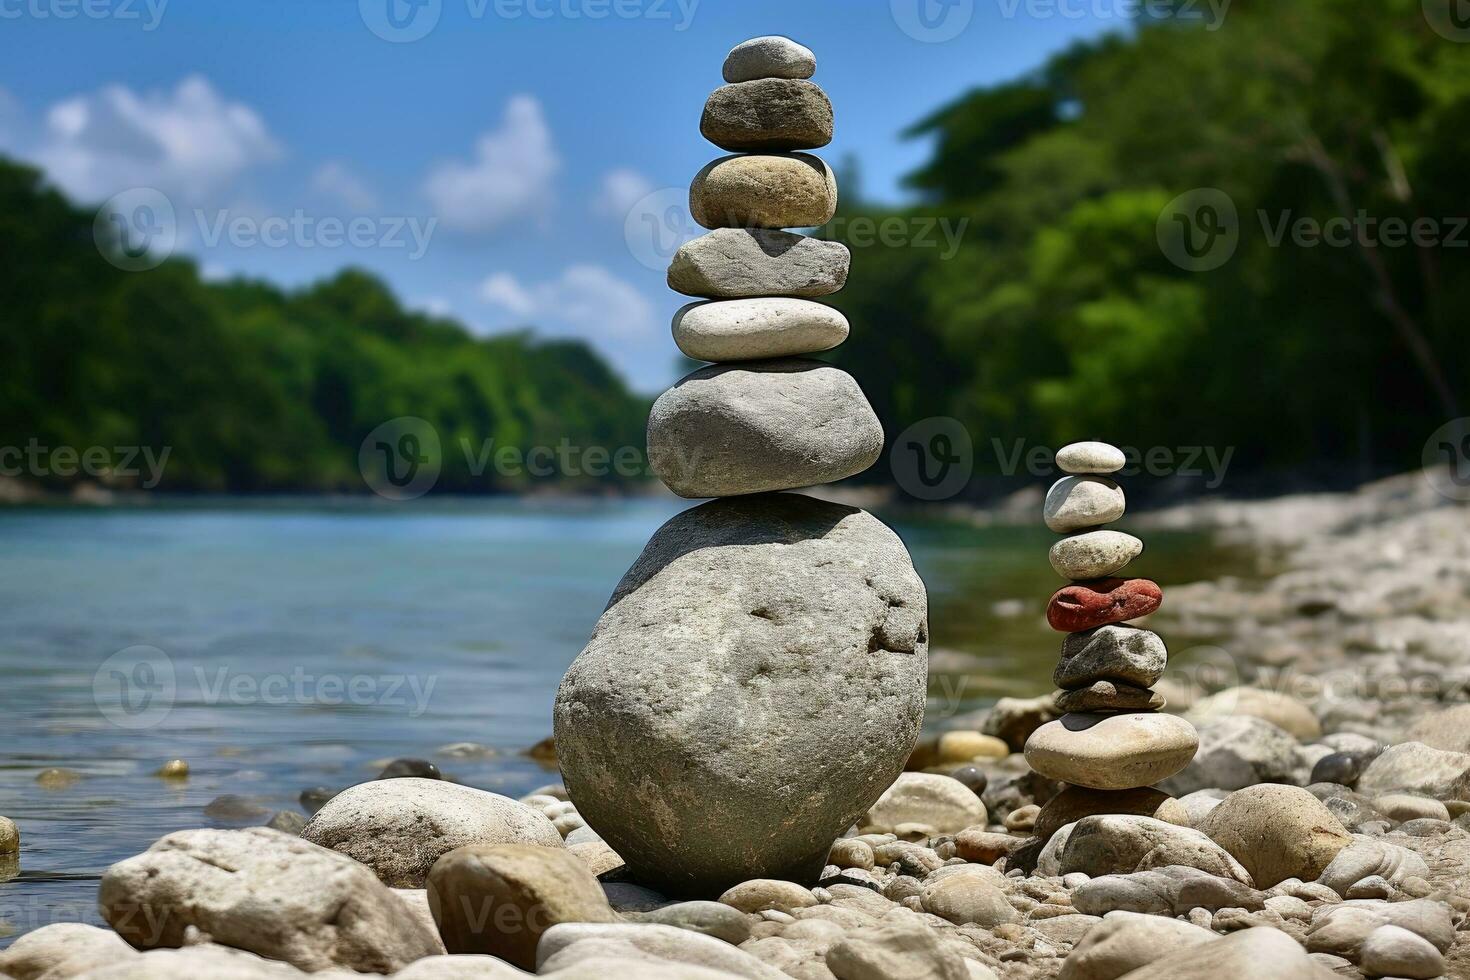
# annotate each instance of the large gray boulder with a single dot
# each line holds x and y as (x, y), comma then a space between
(756, 683)
(768, 425)
(400, 827)
(267, 893)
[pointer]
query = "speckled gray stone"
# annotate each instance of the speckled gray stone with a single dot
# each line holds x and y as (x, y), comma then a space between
(737, 263)
(752, 329)
(756, 683)
(768, 425)
(768, 114)
(772, 56)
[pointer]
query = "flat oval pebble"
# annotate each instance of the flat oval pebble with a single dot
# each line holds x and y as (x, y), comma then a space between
(1109, 696)
(1090, 457)
(768, 114)
(770, 425)
(764, 190)
(1075, 503)
(772, 56)
(754, 329)
(741, 263)
(1112, 752)
(1094, 554)
(1115, 653)
(1088, 605)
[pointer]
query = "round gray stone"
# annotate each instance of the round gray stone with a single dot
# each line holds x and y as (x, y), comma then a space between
(737, 263)
(772, 56)
(1090, 457)
(771, 425)
(1075, 503)
(768, 114)
(753, 329)
(756, 683)
(1094, 554)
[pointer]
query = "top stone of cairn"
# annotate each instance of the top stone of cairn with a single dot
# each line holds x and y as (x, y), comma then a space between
(769, 57)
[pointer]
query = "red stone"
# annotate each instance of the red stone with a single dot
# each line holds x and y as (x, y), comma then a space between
(1085, 605)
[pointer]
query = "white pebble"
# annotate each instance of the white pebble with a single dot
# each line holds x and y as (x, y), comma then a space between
(1090, 457)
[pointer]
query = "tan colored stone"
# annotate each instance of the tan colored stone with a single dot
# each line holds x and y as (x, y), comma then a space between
(766, 190)
(1277, 832)
(1112, 752)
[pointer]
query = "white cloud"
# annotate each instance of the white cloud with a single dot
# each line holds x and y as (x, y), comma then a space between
(620, 190)
(510, 177)
(586, 297)
(337, 180)
(190, 141)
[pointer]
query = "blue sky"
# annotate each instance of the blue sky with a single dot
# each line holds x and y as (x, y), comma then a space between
(500, 166)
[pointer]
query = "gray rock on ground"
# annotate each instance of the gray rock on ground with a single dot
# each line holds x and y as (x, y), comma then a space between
(564, 946)
(752, 428)
(744, 263)
(1277, 832)
(1281, 710)
(1239, 955)
(768, 114)
(62, 949)
(895, 949)
(1120, 844)
(1237, 752)
(941, 803)
(499, 899)
(772, 56)
(764, 190)
(265, 892)
(751, 329)
(752, 636)
(1126, 941)
(1414, 767)
(400, 827)
(1168, 891)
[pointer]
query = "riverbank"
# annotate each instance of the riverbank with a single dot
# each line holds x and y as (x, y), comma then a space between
(1327, 802)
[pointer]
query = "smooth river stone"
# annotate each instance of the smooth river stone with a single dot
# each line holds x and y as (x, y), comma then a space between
(739, 263)
(1109, 696)
(1075, 503)
(767, 190)
(1114, 653)
(1112, 752)
(1076, 803)
(1088, 605)
(772, 56)
(1090, 457)
(729, 430)
(1094, 554)
(752, 329)
(768, 114)
(757, 682)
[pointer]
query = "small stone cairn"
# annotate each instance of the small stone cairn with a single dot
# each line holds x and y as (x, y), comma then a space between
(1112, 742)
(758, 678)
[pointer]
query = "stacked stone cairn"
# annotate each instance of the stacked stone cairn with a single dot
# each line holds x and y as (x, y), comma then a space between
(758, 678)
(1111, 743)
